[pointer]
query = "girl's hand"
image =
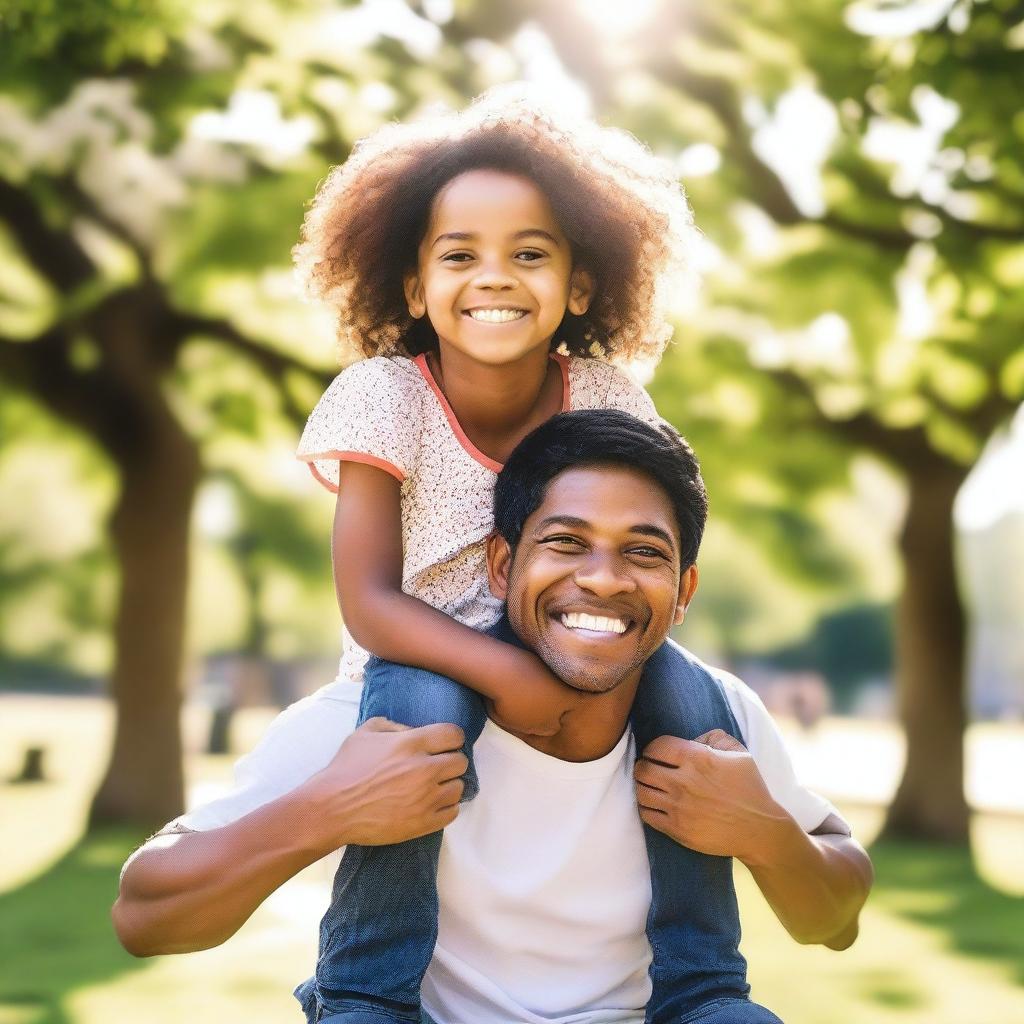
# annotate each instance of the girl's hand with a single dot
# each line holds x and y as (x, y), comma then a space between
(537, 703)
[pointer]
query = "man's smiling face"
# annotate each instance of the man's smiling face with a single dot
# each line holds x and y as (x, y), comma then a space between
(595, 582)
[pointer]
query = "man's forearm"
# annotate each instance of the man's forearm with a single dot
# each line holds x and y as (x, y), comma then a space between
(190, 891)
(816, 884)
(386, 784)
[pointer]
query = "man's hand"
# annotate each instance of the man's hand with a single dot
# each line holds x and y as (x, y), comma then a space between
(192, 890)
(707, 794)
(388, 783)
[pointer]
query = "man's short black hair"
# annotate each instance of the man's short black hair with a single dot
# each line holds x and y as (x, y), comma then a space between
(602, 437)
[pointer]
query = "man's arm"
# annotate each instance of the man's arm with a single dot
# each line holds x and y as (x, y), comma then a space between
(813, 881)
(387, 783)
(707, 794)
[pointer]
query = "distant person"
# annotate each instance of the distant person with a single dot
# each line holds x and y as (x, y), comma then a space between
(549, 911)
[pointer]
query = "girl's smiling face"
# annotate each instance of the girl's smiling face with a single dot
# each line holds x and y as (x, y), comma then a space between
(494, 273)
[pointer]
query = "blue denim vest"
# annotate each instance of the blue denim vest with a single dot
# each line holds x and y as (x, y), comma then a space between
(693, 924)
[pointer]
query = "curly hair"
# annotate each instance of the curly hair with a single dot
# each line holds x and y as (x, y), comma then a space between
(621, 208)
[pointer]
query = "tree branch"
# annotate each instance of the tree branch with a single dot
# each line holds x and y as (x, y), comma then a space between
(906, 447)
(55, 254)
(274, 364)
(40, 367)
(87, 206)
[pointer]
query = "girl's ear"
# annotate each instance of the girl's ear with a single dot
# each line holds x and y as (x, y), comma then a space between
(413, 287)
(581, 291)
(499, 561)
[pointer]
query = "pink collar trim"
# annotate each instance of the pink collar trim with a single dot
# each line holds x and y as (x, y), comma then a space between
(460, 434)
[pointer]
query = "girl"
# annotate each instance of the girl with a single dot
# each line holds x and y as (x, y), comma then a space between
(486, 266)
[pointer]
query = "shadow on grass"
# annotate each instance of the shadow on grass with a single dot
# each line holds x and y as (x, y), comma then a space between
(938, 886)
(56, 934)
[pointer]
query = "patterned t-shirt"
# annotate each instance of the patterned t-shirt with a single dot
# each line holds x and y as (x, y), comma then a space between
(389, 412)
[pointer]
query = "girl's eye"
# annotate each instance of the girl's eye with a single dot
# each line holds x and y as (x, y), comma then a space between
(530, 255)
(457, 257)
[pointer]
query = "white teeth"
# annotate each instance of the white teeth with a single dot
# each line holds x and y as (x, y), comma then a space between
(497, 316)
(595, 623)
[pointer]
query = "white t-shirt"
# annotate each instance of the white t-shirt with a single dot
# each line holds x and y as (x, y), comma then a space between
(544, 882)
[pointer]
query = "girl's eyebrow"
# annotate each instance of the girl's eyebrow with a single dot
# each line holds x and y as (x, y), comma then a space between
(468, 236)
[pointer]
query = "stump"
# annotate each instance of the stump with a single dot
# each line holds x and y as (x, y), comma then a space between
(32, 766)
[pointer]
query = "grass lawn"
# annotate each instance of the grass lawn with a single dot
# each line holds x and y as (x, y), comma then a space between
(941, 942)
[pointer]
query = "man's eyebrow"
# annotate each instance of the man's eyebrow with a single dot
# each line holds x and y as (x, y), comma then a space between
(468, 236)
(571, 521)
(650, 530)
(574, 522)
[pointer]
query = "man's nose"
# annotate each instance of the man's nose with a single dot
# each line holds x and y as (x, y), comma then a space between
(605, 576)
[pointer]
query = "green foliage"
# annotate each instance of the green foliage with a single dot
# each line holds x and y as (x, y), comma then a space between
(940, 888)
(65, 913)
(244, 229)
(56, 600)
(800, 351)
(847, 646)
(89, 36)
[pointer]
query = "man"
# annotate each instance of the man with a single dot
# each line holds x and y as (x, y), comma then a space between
(544, 884)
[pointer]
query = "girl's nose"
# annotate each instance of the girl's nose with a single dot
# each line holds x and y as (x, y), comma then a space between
(494, 280)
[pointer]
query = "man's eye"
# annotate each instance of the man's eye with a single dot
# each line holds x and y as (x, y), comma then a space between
(646, 552)
(563, 539)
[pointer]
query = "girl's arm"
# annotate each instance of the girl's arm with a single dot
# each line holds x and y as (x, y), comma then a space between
(524, 693)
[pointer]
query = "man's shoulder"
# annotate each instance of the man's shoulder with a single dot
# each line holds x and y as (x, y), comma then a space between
(762, 737)
(747, 707)
(739, 693)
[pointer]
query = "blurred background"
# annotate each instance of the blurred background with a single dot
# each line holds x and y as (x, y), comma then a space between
(849, 370)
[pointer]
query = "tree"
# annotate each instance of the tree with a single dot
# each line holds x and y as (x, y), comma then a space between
(872, 298)
(153, 166)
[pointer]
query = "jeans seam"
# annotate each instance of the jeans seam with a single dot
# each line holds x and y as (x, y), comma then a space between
(357, 1004)
(707, 1008)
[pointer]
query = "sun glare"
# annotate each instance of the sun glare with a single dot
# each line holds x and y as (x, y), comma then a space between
(616, 18)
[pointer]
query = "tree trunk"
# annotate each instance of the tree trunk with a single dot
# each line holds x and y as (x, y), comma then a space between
(144, 781)
(930, 803)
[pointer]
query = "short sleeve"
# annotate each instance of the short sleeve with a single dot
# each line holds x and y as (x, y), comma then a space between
(298, 743)
(761, 736)
(626, 395)
(365, 415)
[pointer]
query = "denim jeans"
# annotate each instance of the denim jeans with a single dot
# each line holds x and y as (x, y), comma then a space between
(377, 938)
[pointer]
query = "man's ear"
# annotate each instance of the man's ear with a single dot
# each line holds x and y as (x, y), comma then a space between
(413, 288)
(687, 588)
(581, 291)
(499, 564)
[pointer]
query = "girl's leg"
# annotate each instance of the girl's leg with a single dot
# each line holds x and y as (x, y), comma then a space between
(730, 1011)
(378, 935)
(413, 696)
(693, 923)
